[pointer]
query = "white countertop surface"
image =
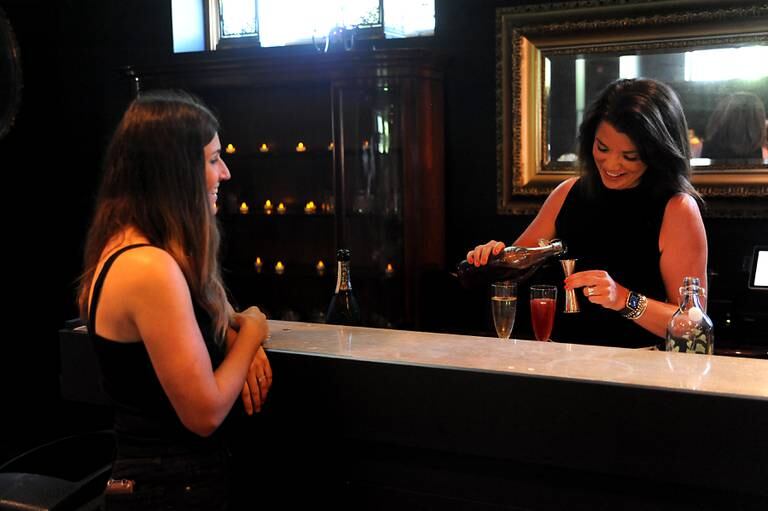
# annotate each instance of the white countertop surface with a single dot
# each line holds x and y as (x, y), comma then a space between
(706, 374)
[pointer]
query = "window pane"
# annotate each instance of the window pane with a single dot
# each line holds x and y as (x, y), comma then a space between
(292, 21)
(409, 18)
(188, 26)
(746, 63)
(282, 22)
(296, 21)
(357, 13)
(238, 18)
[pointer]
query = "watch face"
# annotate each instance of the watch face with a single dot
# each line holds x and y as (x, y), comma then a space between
(633, 301)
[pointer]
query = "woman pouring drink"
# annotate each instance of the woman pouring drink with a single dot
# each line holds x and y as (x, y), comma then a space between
(631, 219)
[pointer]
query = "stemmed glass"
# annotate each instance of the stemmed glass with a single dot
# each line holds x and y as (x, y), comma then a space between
(543, 299)
(504, 307)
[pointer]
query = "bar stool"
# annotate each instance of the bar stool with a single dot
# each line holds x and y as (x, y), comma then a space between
(68, 474)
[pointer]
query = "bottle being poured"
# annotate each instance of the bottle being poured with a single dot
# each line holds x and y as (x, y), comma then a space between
(513, 263)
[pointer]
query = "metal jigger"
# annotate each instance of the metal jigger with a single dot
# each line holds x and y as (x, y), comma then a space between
(571, 303)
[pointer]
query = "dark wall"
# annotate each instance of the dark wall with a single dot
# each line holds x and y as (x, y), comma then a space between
(72, 52)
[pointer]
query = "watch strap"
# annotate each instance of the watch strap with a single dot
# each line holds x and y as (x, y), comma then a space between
(635, 306)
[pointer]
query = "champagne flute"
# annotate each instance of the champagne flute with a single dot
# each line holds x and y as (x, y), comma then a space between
(543, 299)
(504, 307)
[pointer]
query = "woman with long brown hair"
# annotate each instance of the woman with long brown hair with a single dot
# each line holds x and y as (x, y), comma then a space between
(174, 355)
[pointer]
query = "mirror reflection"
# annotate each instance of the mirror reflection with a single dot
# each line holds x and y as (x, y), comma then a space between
(723, 90)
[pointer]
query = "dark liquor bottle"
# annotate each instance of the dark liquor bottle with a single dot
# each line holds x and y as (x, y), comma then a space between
(512, 263)
(343, 309)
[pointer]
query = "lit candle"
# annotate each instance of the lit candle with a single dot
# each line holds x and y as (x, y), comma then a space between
(281, 209)
(264, 148)
(230, 149)
(330, 146)
(389, 271)
(320, 268)
(258, 264)
(310, 208)
(244, 208)
(268, 207)
(301, 147)
(279, 268)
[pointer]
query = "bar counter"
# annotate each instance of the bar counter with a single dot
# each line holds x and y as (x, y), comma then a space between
(398, 419)
(747, 378)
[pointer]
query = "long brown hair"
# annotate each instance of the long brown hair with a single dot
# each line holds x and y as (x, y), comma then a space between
(154, 181)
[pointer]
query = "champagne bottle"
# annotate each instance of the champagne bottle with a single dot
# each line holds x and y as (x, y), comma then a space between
(343, 309)
(690, 329)
(513, 263)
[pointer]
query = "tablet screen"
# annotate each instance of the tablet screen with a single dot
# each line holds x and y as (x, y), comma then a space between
(758, 276)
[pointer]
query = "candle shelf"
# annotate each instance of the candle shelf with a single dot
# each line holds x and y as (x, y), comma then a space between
(371, 124)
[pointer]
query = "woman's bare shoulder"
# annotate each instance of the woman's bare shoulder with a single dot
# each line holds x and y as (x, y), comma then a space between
(148, 267)
(682, 206)
(682, 223)
(556, 199)
(566, 185)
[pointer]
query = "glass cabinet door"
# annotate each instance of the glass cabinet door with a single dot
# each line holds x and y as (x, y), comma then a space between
(368, 128)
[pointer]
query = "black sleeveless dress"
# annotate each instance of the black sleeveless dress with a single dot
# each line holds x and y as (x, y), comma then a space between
(616, 231)
(172, 467)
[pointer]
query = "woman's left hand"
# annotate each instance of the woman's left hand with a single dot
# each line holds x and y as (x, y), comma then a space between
(257, 383)
(599, 288)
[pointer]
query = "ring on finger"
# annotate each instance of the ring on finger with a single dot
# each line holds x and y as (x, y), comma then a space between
(590, 291)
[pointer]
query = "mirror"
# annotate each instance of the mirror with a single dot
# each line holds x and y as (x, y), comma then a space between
(10, 75)
(553, 62)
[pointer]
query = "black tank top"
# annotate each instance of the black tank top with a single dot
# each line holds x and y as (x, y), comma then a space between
(616, 231)
(145, 422)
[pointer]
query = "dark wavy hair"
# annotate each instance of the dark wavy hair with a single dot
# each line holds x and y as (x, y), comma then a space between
(154, 181)
(650, 114)
(736, 128)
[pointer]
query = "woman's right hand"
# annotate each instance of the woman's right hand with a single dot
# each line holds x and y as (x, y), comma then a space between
(479, 256)
(251, 325)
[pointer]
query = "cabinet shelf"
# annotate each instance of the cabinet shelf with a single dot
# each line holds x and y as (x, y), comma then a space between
(362, 273)
(276, 154)
(276, 217)
(288, 216)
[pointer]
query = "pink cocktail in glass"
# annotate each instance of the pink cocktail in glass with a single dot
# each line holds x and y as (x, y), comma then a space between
(543, 300)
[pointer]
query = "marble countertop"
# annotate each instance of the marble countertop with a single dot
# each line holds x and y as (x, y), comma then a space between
(708, 374)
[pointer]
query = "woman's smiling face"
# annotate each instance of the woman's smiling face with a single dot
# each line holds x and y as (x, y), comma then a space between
(616, 158)
(216, 170)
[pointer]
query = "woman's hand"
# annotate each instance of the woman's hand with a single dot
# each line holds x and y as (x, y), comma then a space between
(257, 383)
(250, 325)
(479, 256)
(599, 288)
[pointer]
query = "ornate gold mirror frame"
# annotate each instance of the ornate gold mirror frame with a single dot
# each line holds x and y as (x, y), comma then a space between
(525, 34)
